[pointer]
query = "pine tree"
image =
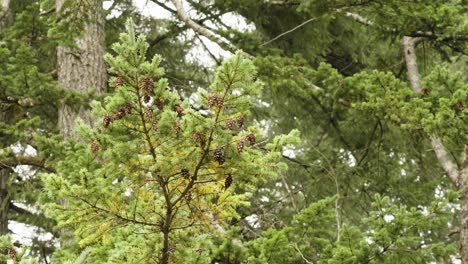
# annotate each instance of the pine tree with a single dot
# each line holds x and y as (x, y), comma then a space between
(28, 106)
(162, 184)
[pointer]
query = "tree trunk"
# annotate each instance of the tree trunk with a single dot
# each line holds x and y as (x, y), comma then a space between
(464, 209)
(464, 228)
(4, 184)
(82, 69)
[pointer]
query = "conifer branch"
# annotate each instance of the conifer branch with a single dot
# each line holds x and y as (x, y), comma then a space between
(118, 216)
(35, 161)
(200, 29)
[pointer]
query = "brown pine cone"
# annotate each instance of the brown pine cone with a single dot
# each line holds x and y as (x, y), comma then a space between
(219, 155)
(107, 120)
(94, 147)
(228, 181)
(240, 121)
(240, 146)
(251, 138)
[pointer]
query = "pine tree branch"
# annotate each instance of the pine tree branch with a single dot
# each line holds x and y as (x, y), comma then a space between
(25, 160)
(116, 215)
(183, 16)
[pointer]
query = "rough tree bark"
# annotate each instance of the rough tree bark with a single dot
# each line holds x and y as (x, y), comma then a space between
(82, 69)
(458, 175)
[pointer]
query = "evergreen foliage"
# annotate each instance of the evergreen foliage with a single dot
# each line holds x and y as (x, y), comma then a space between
(156, 169)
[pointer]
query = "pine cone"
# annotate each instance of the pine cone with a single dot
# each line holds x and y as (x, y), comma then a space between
(228, 181)
(120, 113)
(220, 102)
(118, 82)
(146, 85)
(240, 121)
(212, 100)
(149, 114)
(229, 124)
(146, 98)
(251, 138)
(219, 155)
(12, 253)
(94, 147)
(128, 108)
(154, 126)
(159, 103)
(240, 146)
(107, 120)
(179, 110)
(200, 139)
(185, 172)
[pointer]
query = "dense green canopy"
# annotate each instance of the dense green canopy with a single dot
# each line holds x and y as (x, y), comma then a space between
(336, 132)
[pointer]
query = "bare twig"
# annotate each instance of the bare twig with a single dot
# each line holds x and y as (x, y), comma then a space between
(291, 30)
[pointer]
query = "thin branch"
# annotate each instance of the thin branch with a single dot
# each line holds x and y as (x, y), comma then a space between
(291, 30)
(291, 196)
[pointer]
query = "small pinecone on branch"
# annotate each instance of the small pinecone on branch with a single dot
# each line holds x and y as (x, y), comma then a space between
(154, 126)
(149, 114)
(229, 124)
(118, 82)
(240, 121)
(120, 113)
(219, 155)
(179, 110)
(107, 120)
(251, 138)
(177, 128)
(94, 147)
(185, 172)
(240, 146)
(128, 108)
(146, 85)
(212, 100)
(228, 181)
(200, 139)
(220, 102)
(146, 98)
(12, 253)
(159, 103)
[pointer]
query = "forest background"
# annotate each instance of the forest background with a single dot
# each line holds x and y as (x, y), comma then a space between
(239, 131)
